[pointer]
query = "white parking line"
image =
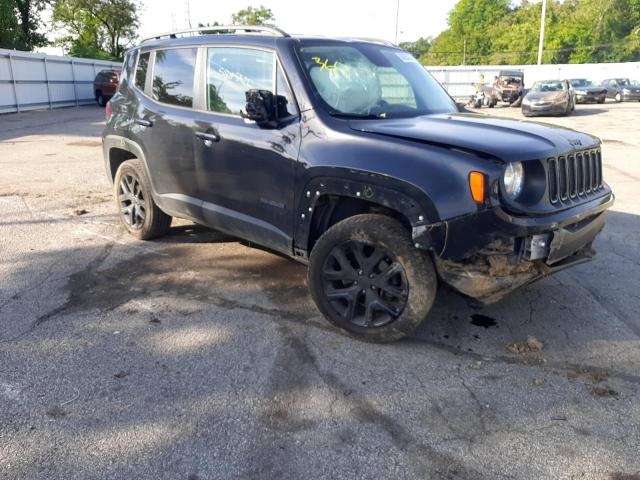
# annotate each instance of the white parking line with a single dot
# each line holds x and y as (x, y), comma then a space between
(82, 229)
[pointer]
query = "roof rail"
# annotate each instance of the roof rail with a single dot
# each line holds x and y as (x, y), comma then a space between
(222, 29)
(372, 40)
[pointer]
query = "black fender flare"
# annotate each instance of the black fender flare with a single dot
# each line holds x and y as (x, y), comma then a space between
(428, 232)
(122, 143)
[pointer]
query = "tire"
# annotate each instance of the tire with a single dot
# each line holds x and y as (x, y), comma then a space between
(382, 286)
(601, 101)
(618, 97)
(102, 101)
(140, 216)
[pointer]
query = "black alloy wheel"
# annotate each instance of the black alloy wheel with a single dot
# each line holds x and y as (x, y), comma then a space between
(137, 209)
(364, 284)
(367, 278)
(133, 207)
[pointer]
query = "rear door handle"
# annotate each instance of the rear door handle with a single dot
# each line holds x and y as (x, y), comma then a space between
(208, 137)
(143, 122)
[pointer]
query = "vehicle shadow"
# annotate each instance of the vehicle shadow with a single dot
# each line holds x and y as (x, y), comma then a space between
(582, 110)
(88, 121)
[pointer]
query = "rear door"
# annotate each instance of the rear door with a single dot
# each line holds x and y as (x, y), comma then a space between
(246, 173)
(162, 124)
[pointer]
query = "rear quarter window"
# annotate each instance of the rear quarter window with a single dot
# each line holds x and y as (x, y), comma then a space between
(141, 70)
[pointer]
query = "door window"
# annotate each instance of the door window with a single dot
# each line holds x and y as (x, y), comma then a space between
(173, 75)
(231, 72)
(141, 70)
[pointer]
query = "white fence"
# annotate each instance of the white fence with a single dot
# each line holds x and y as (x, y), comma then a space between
(30, 81)
(459, 80)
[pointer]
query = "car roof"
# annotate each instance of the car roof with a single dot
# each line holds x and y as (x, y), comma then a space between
(258, 40)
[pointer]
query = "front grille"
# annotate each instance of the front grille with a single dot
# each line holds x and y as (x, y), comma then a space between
(574, 176)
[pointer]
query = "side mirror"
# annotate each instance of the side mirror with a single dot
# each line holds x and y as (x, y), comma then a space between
(260, 108)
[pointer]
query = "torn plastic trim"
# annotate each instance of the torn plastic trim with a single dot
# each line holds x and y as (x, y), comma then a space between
(488, 278)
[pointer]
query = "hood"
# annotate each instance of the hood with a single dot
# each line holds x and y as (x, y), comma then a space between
(591, 89)
(547, 96)
(508, 140)
(632, 88)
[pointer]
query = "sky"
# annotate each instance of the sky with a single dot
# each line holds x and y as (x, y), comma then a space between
(357, 18)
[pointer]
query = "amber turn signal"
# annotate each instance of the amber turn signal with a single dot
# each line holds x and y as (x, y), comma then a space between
(476, 185)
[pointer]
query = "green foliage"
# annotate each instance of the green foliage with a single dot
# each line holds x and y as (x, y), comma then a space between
(576, 31)
(418, 48)
(253, 16)
(19, 22)
(97, 28)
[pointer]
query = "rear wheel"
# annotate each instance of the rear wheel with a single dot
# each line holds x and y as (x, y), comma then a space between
(367, 278)
(102, 100)
(138, 213)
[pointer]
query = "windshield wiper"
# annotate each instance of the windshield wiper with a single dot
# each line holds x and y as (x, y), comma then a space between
(365, 116)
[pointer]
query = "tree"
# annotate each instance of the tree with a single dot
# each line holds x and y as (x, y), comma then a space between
(253, 16)
(99, 28)
(418, 48)
(19, 22)
(469, 23)
(576, 31)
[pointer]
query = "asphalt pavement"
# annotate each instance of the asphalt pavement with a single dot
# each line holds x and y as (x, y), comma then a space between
(199, 357)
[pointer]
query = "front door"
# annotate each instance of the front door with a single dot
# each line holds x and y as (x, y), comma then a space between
(245, 172)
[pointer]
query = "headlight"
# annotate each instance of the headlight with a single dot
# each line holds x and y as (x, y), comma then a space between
(513, 179)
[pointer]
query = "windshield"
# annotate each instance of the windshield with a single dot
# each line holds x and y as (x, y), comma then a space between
(547, 86)
(366, 80)
(581, 83)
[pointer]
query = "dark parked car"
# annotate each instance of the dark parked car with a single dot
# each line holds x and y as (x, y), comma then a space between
(586, 92)
(549, 97)
(621, 89)
(105, 85)
(348, 156)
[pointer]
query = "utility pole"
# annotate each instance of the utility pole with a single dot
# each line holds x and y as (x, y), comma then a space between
(540, 46)
(187, 13)
(397, 17)
(464, 51)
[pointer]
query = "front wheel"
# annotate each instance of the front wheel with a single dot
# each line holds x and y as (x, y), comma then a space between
(367, 278)
(139, 214)
(618, 97)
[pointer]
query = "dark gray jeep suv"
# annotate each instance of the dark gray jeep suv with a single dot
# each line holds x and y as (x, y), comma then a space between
(348, 156)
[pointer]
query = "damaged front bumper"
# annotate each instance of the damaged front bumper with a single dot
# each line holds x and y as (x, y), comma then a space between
(491, 253)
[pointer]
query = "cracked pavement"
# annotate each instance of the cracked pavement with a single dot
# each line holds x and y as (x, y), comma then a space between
(199, 357)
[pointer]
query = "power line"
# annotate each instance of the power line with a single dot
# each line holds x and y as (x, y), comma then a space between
(546, 50)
